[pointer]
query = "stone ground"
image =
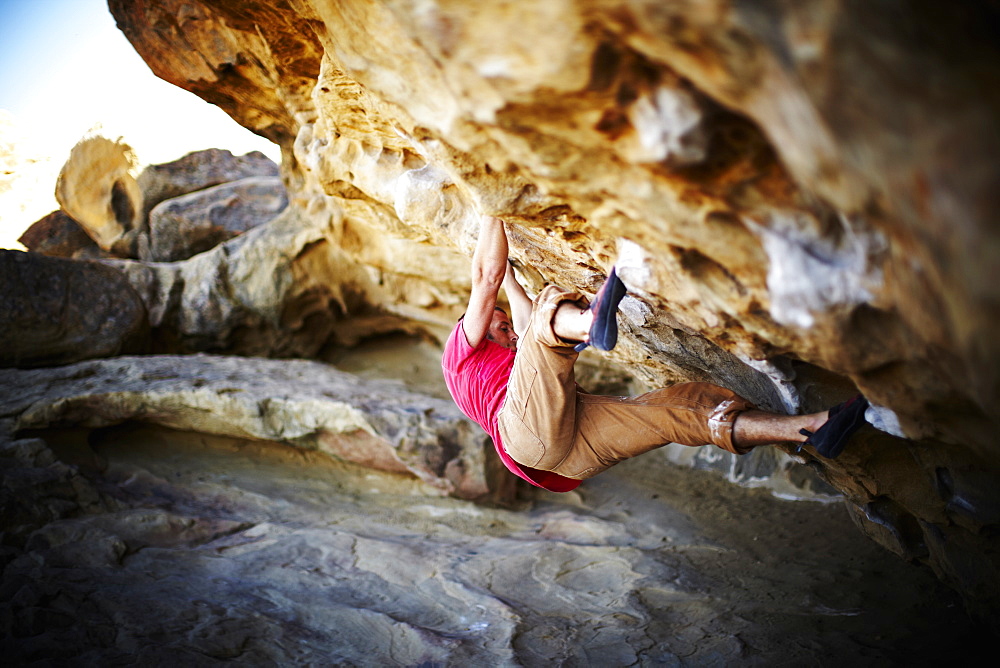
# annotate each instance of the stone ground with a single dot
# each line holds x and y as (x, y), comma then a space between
(200, 550)
(212, 550)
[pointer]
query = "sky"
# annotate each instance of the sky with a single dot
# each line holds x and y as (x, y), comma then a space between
(66, 71)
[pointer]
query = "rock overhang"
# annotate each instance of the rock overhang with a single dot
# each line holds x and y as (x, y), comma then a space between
(780, 182)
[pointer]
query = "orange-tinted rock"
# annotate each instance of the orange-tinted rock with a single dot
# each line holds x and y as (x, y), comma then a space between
(97, 188)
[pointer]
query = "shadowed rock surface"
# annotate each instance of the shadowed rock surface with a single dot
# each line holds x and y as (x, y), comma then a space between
(190, 224)
(59, 235)
(56, 311)
(197, 171)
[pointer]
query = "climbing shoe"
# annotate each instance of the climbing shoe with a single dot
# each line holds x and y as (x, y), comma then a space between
(604, 329)
(845, 419)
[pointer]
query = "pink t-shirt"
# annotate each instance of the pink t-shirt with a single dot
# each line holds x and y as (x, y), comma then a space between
(477, 379)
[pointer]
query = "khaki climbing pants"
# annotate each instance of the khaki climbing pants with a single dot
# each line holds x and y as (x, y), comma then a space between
(548, 423)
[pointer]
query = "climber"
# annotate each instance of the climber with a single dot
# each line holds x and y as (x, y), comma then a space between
(513, 375)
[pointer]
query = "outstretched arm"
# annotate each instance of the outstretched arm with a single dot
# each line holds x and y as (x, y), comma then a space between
(520, 303)
(489, 266)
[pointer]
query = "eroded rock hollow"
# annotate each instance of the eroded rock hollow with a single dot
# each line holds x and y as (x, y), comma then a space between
(799, 196)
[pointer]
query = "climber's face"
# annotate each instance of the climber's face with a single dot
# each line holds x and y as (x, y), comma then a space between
(501, 331)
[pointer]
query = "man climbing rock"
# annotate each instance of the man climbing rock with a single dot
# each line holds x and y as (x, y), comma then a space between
(513, 375)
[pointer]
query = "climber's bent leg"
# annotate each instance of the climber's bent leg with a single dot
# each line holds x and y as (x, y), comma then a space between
(537, 423)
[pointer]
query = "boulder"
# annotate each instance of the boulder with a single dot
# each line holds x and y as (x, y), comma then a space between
(59, 235)
(376, 424)
(190, 224)
(199, 170)
(287, 289)
(57, 311)
(97, 188)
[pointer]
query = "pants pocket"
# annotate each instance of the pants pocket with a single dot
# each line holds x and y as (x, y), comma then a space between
(518, 441)
(522, 379)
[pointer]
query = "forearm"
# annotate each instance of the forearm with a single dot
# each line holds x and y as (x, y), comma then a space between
(489, 265)
(489, 262)
(520, 302)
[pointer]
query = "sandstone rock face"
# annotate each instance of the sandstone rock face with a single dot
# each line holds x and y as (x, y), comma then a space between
(97, 188)
(798, 195)
(56, 311)
(191, 224)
